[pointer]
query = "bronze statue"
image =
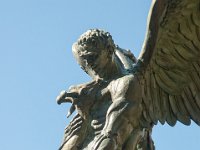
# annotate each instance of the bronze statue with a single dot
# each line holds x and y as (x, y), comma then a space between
(128, 96)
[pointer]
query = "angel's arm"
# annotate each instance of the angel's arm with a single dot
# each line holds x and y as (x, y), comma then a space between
(123, 114)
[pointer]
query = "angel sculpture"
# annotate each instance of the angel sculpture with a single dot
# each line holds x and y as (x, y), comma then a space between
(128, 96)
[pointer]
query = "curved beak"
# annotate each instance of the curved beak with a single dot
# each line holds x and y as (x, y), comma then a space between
(68, 98)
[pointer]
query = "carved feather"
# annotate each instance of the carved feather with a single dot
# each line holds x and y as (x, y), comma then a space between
(170, 62)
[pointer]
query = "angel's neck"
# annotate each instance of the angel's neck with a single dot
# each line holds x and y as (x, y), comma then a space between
(110, 71)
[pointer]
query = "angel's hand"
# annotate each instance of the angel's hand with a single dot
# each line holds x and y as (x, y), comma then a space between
(74, 126)
(75, 133)
(105, 141)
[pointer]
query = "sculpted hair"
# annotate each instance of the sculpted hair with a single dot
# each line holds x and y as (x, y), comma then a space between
(95, 39)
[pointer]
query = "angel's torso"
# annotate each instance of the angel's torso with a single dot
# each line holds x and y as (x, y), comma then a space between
(126, 88)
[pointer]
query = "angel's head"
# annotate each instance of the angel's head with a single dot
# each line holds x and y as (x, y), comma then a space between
(93, 51)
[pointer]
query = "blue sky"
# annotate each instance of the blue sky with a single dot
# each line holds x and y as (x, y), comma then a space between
(36, 63)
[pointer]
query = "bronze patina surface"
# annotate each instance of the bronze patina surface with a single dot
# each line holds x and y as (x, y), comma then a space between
(128, 96)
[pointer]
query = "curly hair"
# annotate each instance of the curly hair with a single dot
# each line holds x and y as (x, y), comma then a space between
(95, 39)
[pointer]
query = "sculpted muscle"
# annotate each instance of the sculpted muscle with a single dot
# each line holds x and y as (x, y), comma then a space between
(126, 97)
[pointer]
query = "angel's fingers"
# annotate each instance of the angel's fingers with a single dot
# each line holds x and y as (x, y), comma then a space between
(76, 120)
(72, 133)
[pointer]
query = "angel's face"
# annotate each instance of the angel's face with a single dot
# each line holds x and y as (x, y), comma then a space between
(93, 61)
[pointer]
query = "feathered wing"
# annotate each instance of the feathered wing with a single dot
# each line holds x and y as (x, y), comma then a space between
(169, 64)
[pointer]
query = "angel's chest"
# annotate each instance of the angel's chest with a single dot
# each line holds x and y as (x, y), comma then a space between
(102, 103)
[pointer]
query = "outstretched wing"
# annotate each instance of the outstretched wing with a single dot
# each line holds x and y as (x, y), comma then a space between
(169, 64)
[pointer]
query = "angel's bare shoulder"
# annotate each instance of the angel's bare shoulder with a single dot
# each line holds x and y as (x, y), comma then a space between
(125, 87)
